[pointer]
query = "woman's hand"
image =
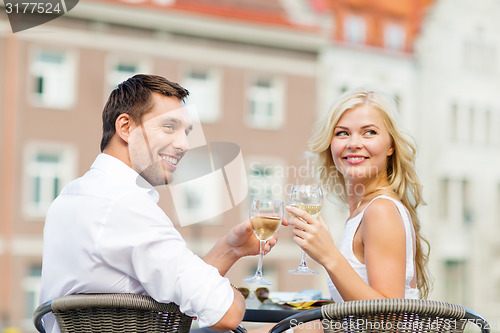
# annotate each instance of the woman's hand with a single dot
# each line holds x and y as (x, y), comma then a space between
(312, 235)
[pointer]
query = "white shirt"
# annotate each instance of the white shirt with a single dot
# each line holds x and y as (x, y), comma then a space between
(346, 248)
(106, 234)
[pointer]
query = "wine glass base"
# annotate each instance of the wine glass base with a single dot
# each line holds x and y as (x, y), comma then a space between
(258, 280)
(303, 271)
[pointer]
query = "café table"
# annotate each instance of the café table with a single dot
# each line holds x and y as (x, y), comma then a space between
(268, 313)
(279, 305)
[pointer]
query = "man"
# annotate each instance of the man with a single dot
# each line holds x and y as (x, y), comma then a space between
(106, 233)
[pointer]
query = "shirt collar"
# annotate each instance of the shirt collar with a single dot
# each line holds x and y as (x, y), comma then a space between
(117, 168)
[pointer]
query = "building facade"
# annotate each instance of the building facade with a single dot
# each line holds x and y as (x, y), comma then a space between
(445, 79)
(260, 74)
(252, 79)
(458, 65)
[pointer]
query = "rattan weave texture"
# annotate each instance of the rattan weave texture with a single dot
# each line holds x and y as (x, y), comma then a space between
(394, 315)
(103, 313)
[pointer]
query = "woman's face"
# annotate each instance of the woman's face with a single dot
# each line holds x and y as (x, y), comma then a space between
(361, 144)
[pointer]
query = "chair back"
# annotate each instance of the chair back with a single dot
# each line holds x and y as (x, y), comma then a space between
(114, 313)
(386, 315)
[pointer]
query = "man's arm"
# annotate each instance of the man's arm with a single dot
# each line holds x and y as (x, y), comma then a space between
(233, 317)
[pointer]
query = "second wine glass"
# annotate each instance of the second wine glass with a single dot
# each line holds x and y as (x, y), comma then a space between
(309, 198)
(266, 216)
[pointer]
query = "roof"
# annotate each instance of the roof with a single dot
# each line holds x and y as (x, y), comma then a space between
(262, 12)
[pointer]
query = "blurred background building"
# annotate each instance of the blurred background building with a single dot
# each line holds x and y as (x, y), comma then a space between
(261, 73)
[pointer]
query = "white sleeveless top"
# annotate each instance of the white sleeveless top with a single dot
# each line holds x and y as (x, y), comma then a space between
(346, 248)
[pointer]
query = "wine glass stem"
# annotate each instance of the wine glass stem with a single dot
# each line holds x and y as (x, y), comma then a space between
(259, 265)
(303, 259)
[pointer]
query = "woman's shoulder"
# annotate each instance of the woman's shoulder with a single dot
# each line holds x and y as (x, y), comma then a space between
(385, 200)
(383, 212)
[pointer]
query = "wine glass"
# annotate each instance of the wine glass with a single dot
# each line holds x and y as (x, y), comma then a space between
(309, 198)
(266, 216)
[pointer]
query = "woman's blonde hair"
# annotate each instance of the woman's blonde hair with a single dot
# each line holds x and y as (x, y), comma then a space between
(401, 175)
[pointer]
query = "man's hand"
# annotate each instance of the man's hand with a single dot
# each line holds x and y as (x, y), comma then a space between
(239, 242)
(243, 241)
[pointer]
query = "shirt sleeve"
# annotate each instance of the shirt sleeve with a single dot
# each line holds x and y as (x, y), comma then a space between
(138, 239)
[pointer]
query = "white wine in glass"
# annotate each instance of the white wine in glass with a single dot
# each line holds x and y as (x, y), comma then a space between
(264, 227)
(309, 198)
(266, 216)
(311, 209)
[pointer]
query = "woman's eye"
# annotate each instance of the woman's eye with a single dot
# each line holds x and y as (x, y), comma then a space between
(340, 133)
(370, 132)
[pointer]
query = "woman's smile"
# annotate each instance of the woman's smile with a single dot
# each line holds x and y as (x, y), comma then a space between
(355, 159)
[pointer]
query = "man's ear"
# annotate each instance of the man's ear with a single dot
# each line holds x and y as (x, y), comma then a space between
(123, 126)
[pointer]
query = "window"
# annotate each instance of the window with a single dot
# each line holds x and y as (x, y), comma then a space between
(466, 200)
(479, 55)
(53, 79)
(394, 37)
(204, 93)
(487, 126)
(498, 204)
(266, 179)
(472, 121)
(211, 181)
(454, 123)
(455, 277)
(202, 199)
(493, 125)
(444, 187)
(355, 29)
(31, 286)
(397, 102)
(259, 184)
(265, 104)
(48, 167)
(121, 70)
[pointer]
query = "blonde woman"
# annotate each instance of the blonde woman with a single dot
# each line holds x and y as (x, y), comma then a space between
(369, 162)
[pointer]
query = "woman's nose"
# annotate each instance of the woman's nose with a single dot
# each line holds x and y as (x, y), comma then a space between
(354, 142)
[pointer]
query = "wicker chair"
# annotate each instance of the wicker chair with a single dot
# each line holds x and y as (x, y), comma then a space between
(386, 315)
(113, 313)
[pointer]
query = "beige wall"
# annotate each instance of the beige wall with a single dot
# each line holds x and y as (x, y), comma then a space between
(80, 126)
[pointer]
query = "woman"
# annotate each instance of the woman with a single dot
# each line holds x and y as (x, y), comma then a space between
(369, 162)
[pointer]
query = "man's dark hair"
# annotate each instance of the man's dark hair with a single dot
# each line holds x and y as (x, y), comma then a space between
(134, 97)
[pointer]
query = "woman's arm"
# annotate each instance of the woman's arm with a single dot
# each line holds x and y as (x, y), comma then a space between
(383, 240)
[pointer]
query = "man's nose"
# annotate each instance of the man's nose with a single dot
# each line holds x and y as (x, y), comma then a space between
(181, 142)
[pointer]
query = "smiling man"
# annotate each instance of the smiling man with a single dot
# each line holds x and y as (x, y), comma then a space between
(105, 232)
